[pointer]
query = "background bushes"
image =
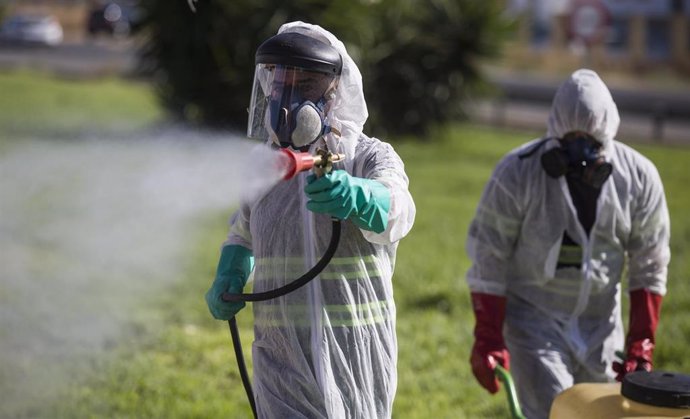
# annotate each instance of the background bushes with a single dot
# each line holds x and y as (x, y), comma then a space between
(419, 59)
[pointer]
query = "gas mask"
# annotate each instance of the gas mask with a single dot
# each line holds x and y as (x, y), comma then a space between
(294, 120)
(578, 157)
(295, 80)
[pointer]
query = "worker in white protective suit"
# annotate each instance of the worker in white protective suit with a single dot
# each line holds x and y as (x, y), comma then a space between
(556, 223)
(328, 349)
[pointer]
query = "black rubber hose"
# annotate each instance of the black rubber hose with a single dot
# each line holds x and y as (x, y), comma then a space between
(267, 295)
(297, 283)
(237, 345)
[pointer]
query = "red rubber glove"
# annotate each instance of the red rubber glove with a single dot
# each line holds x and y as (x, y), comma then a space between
(489, 348)
(645, 307)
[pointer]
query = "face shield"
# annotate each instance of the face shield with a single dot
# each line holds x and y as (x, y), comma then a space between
(289, 104)
(295, 81)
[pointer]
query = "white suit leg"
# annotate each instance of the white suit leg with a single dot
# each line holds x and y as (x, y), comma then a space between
(540, 366)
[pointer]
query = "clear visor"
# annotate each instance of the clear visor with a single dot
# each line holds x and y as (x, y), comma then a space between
(278, 90)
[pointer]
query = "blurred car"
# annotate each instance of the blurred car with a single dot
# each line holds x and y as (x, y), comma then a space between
(31, 29)
(111, 18)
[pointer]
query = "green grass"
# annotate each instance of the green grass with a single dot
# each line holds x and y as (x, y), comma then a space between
(176, 362)
(434, 318)
(32, 103)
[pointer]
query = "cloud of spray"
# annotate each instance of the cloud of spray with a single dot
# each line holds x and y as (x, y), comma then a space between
(86, 226)
(263, 167)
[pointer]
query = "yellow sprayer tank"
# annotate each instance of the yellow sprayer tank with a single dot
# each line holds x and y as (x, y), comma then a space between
(651, 395)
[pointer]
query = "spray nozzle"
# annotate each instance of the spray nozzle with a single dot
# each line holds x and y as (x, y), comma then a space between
(293, 163)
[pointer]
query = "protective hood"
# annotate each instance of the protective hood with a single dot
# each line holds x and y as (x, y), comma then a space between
(348, 112)
(564, 282)
(328, 349)
(584, 103)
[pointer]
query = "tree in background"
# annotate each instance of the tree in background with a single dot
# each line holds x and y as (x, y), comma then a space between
(202, 60)
(424, 60)
(419, 59)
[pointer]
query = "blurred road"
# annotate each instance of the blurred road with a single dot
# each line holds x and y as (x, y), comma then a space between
(648, 115)
(532, 117)
(92, 58)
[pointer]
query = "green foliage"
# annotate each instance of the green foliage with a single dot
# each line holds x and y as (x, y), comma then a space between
(419, 59)
(203, 60)
(422, 60)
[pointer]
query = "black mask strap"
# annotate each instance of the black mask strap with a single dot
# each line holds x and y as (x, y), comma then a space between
(534, 148)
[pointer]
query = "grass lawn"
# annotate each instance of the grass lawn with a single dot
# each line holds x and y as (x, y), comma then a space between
(31, 103)
(174, 361)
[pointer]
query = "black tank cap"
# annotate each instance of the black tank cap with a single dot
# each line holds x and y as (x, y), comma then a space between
(657, 388)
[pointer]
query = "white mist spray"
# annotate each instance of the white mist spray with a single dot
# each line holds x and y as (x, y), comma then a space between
(87, 226)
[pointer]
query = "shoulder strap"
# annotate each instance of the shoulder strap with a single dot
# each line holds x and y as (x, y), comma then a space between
(534, 148)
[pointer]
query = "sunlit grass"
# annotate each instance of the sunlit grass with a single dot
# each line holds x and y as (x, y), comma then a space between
(175, 361)
(32, 103)
(434, 318)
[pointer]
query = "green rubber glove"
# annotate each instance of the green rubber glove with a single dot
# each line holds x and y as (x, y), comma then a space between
(364, 201)
(235, 265)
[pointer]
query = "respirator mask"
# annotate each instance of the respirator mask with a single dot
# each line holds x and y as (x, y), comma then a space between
(295, 80)
(578, 156)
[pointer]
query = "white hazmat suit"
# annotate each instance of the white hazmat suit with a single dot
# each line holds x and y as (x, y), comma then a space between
(563, 324)
(329, 349)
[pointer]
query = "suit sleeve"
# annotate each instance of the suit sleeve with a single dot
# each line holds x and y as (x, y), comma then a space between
(648, 247)
(493, 233)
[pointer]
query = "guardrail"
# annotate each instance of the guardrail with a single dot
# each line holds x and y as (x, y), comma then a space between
(659, 107)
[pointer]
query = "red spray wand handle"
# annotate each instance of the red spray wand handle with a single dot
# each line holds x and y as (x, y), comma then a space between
(322, 162)
(294, 163)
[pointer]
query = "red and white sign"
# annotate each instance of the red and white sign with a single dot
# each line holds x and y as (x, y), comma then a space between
(589, 20)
